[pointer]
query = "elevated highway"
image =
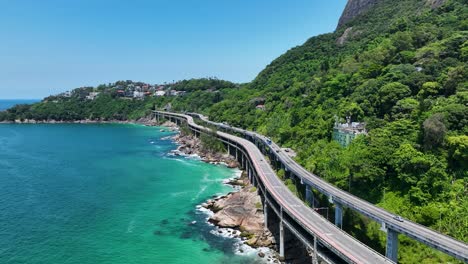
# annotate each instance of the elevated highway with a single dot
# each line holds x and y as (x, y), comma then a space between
(390, 223)
(294, 216)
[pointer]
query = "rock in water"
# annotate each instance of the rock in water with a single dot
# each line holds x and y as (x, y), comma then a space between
(242, 210)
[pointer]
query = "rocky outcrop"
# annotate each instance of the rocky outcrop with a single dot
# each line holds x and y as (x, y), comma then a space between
(243, 211)
(435, 3)
(348, 34)
(191, 145)
(355, 8)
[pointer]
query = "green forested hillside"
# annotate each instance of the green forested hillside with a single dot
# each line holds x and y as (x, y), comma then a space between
(401, 68)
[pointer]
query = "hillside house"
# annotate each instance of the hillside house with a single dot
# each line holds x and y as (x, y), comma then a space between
(260, 107)
(344, 133)
(138, 94)
(92, 95)
(159, 93)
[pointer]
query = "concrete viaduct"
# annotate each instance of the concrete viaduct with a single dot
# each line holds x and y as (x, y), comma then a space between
(299, 220)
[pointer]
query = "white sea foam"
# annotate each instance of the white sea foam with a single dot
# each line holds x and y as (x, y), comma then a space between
(177, 194)
(202, 189)
(205, 211)
(241, 248)
(131, 226)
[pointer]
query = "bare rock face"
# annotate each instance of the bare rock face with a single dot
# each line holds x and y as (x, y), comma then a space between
(242, 210)
(348, 34)
(435, 3)
(238, 211)
(354, 8)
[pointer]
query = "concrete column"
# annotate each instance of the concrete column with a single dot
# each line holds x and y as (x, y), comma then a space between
(281, 233)
(309, 196)
(392, 245)
(314, 256)
(338, 215)
(243, 164)
(265, 212)
(237, 154)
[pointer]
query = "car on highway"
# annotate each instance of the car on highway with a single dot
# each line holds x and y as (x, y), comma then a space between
(398, 218)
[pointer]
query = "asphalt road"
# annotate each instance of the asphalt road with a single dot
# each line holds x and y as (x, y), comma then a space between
(449, 245)
(327, 233)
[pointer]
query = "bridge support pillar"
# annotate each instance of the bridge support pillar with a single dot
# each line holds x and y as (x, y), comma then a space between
(281, 234)
(392, 245)
(314, 256)
(265, 211)
(309, 196)
(243, 162)
(338, 215)
(237, 154)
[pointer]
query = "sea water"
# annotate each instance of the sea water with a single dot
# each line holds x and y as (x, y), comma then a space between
(7, 103)
(76, 193)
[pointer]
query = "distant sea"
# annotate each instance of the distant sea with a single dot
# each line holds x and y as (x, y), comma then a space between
(87, 194)
(7, 103)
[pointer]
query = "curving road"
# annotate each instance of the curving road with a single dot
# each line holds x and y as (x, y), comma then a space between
(344, 245)
(449, 245)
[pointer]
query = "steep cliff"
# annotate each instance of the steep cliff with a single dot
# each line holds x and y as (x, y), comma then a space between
(354, 8)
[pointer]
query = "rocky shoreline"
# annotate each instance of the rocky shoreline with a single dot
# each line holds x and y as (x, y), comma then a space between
(238, 213)
(241, 211)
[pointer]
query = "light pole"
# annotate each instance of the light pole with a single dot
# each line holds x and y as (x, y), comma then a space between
(322, 208)
(440, 218)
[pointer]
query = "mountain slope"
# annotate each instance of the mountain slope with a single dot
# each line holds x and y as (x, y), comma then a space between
(400, 67)
(355, 8)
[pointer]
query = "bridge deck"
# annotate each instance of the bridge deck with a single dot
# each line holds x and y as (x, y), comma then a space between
(449, 245)
(332, 237)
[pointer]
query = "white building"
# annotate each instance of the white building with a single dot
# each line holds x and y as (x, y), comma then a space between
(137, 94)
(92, 95)
(160, 93)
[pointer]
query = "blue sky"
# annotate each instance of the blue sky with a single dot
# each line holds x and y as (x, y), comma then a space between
(50, 46)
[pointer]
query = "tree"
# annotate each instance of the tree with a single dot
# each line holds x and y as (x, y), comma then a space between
(434, 131)
(429, 89)
(458, 151)
(390, 94)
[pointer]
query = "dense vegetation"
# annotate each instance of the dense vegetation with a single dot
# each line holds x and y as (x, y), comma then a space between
(202, 84)
(104, 107)
(405, 76)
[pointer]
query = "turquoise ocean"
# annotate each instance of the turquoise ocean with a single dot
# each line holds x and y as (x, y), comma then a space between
(7, 103)
(72, 193)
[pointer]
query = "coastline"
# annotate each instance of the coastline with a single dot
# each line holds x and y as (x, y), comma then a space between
(237, 214)
(141, 121)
